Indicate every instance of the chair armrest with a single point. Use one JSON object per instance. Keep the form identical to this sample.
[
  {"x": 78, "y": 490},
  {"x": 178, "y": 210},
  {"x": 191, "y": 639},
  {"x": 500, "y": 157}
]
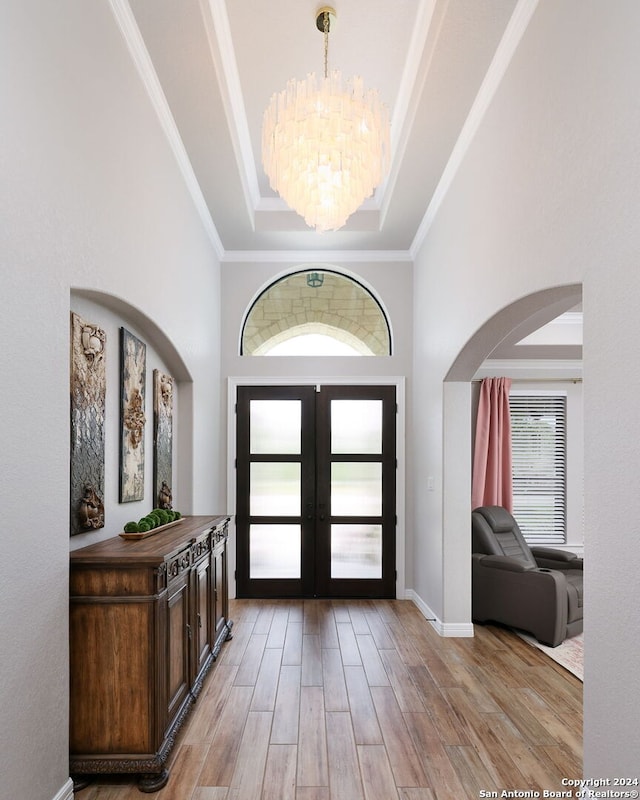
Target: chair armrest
[
  {"x": 551, "y": 558},
  {"x": 501, "y": 562}
]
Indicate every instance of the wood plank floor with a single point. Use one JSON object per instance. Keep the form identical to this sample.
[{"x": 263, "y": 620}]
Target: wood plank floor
[{"x": 362, "y": 700}]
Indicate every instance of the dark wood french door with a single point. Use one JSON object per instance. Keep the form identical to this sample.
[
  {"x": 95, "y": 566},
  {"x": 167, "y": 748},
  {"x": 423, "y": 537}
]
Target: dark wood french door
[{"x": 316, "y": 491}]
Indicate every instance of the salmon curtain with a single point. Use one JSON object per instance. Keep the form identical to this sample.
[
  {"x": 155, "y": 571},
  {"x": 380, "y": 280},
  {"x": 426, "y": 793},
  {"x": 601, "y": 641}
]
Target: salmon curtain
[{"x": 492, "y": 478}]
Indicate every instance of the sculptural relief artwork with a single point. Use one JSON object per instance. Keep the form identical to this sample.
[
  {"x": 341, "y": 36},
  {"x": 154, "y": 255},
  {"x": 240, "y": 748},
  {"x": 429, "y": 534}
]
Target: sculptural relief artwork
[
  {"x": 133, "y": 364},
  {"x": 88, "y": 393},
  {"x": 162, "y": 438}
]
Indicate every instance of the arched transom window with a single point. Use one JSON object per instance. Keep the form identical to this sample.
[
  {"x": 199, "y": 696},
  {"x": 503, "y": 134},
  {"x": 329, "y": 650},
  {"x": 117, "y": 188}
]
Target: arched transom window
[{"x": 316, "y": 312}]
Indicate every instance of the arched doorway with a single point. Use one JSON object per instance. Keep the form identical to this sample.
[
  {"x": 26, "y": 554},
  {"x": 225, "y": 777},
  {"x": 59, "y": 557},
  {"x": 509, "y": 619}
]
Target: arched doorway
[{"x": 525, "y": 315}]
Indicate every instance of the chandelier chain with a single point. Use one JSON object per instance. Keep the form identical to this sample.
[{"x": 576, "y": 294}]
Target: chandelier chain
[{"x": 326, "y": 44}]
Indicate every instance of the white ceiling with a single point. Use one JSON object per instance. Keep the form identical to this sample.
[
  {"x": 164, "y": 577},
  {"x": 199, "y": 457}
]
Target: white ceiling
[{"x": 211, "y": 67}]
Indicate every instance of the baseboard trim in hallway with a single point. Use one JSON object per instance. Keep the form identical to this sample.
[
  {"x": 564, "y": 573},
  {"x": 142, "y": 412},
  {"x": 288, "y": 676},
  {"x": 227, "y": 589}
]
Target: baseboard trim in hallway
[
  {"x": 454, "y": 629},
  {"x": 66, "y": 792}
]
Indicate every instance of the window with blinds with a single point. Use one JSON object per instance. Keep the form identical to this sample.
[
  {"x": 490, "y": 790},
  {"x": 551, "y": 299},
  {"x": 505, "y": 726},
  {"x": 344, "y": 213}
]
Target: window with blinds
[{"x": 539, "y": 455}]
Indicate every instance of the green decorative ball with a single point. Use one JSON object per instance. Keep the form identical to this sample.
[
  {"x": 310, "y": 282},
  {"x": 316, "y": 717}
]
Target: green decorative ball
[{"x": 131, "y": 527}]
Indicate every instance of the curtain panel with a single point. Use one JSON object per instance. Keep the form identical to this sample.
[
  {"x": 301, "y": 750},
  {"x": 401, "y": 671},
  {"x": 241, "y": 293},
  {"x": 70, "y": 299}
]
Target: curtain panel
[{"x": 492, "y": 475}]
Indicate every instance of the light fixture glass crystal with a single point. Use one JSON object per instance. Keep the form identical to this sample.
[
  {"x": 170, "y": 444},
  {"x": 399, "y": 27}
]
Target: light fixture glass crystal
[{"x": 325, "y": 144}]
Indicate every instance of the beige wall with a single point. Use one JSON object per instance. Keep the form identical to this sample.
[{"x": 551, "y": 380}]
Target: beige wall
[
  {"x": 546, "y": 196},
  {"x": 91, "y": 198}
]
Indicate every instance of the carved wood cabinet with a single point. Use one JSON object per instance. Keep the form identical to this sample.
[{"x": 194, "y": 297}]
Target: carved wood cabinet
[{"x": 147, "y": 620}]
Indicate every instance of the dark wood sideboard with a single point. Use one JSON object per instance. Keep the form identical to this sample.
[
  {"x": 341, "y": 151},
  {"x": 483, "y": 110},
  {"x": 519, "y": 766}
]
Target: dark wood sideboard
[{"x": 147, "y": 620}]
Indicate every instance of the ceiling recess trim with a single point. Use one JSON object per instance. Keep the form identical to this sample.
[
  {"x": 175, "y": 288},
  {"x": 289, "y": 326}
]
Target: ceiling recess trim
[
  {"x": 142, "y": 61},
  {"x": 223, "y": 54},
  {"x": 406, "y": 107},
  {"x": 502, "y": 58}
]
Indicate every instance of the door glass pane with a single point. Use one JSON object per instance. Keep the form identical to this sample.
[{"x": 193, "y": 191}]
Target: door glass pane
[
  {"x": 274, "y": 489},
  {"x": 274, "y": 551},
  {"x": 356, "y": 426},
  {"x": 356, "y": 551},
  {"x": 274, "y": 426},
  {"x": 356, "y": 489}
]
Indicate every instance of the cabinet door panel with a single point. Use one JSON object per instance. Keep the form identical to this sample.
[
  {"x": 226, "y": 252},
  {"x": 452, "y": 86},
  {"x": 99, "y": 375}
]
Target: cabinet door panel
[
  {"x": 202, "y": 620},
  {"x": 178, "y": 644},
  {"x": 105, "y": 715},
  {"x": 219, "y": 577}
]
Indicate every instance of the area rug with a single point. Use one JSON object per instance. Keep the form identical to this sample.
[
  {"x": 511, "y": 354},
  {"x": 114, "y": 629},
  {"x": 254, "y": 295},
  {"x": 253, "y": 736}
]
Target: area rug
[{"x": 569, "y": 654}]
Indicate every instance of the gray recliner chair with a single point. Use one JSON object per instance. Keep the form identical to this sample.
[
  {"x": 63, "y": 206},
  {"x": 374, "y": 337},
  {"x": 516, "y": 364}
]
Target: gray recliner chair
[{"x": 535, "y": 589}]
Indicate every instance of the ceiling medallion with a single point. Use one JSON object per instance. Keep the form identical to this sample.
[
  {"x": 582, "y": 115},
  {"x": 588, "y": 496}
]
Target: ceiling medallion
[{"x": 325, "y": 145}]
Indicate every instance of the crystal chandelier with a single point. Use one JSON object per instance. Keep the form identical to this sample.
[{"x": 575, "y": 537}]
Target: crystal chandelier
[{"x": 325, "y": 145}]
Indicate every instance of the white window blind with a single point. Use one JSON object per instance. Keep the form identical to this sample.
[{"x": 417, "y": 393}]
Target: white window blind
[{"x": 538, "y": 450}]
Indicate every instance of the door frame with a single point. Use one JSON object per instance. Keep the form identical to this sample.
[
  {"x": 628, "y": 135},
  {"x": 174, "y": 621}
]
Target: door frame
[{"x": 399, "y": 382}]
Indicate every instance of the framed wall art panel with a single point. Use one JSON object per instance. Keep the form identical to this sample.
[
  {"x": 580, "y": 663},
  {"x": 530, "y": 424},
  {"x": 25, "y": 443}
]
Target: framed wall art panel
[
  {"x": 133, "y": 364},
  {"x": 162, "y": 438},
  {"x": 88, "y": 394}
]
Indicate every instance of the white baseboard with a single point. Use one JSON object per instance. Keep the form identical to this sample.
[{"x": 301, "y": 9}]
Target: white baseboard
[
  {"x": 445, "y": 629},
  {"x": 66, "y": 793}
]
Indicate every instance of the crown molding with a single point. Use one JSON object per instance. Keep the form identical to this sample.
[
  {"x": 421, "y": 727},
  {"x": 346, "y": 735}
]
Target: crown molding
[
  {"x": 502, "y": 58},
  {"x": 315, "y": 256},
  {"x": 406, "y": 106},
  {"x": 142, "y": 61},
  {"x": 223, "y": 54}
]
